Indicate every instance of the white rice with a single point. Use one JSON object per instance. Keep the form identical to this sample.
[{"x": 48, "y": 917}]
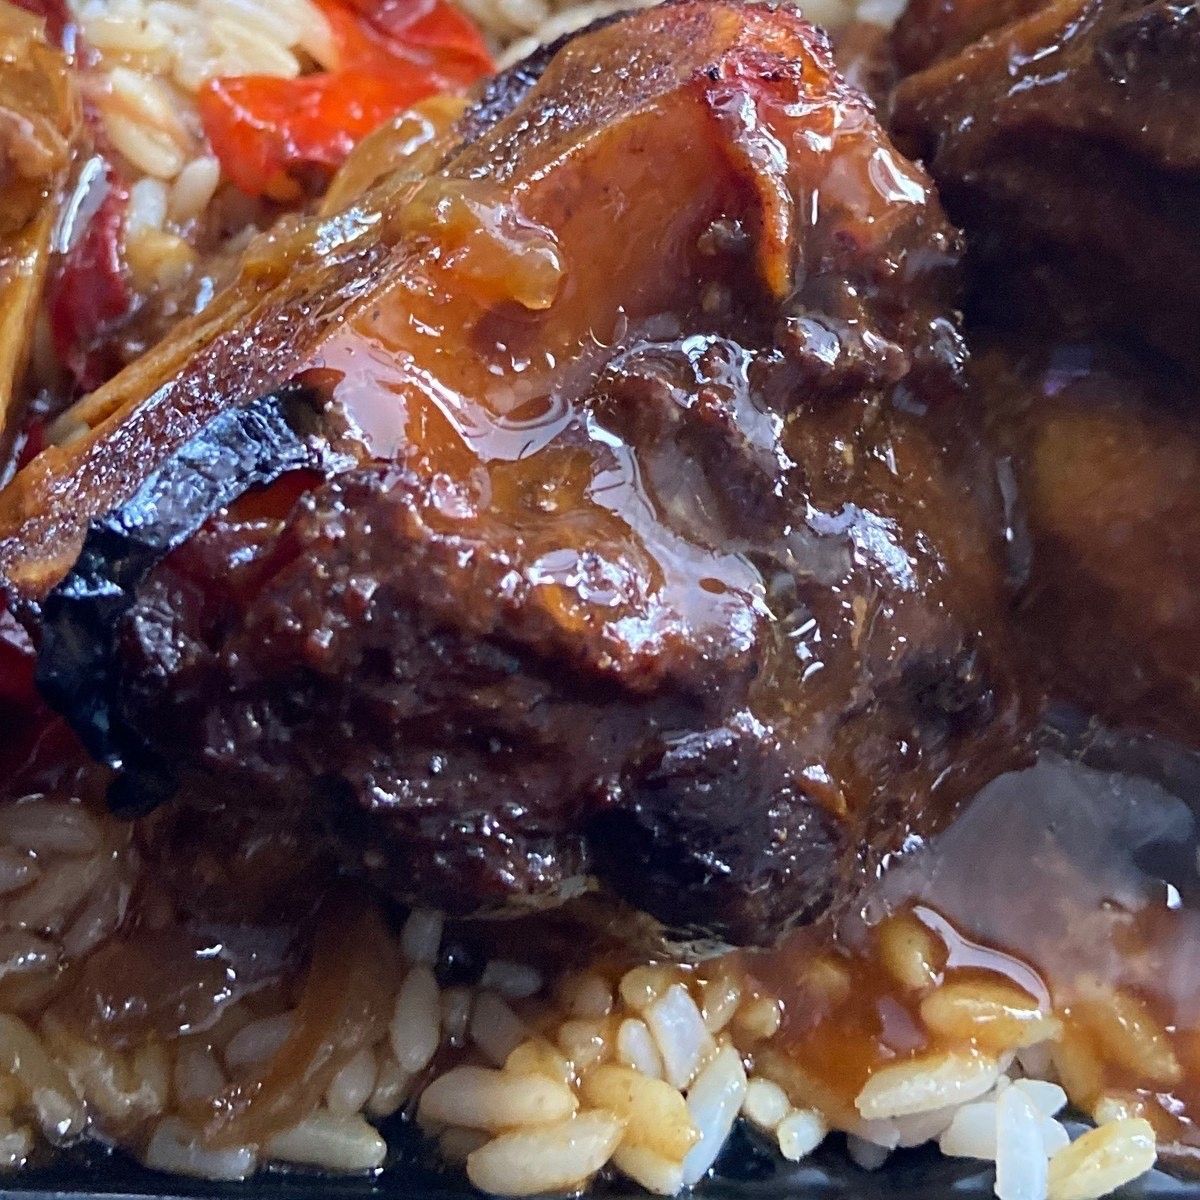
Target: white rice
[
  {"x": 492, "y": 1100},
  {"x": 800, "y": 1133},
  {"x": 557, "y": 1157},
  {"x": 1102, "y": 1160},
  {"x": 258, "y": 1041},
  {"x": 555, "y": 1084},
  {"x": 421, "y": 936},
  {"x": 336, "y": 1141},
  {"x": 680, "y": 1034},
  {"x": 926, "y": 1084},
  {"x": 415, "y": 1030},
  {"x": 1021, "y": 1158},
  {"x": 176, "y": 1149},
  {"x": 636, "y": 1048},
  {"x": 714, "y": 1101},
  {"x": 495, "y": 1028},
  {"x": 532, "y": 1084},
  {"x": 513, "y": 981},
  {"x": 766, "y": 1104},
  {"x": 354, "y": 1084}
]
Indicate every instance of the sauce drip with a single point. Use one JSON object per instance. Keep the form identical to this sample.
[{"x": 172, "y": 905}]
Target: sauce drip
[{"x": 1073, "y": 887}]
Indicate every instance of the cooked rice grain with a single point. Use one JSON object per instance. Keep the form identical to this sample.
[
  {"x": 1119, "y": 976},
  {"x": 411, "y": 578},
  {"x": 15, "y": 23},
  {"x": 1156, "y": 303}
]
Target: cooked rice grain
[
  {"x": 46, "y": 1085},
  {"x": 766, "y": 1104},
  {"x": 197, "y": 1075},
  {"x": 1102, "y": 1160},
  {"x": 415, "y": 1030},
  {"x": 655, "y": 1114},
  {"x": 584, "y": 994},
  {"x": 866, "y": 1154},
  {"x": 800, "y": 1133},
  {"x": 421, "y": 937},
  {"x": 909, "y": 951},
  {"x": 925, "y": 1083},
  {"x": 513, "y": 981},
  {"x": 495, "y": 1028},
  {"x": 539, "y": 1057},
  {"x": 331, "y": 1140},
  {"x": 552, "y": 1158},
  {"x": 996, "y": 1016},
  {"x": 1126, "y": 1033},
  {"x": 16, "y": 1143},
  {"x": 680, "y": 1034},
  {"x": 258, "y": 1041},
  {"x": 713, "y": 1102},
  {"x": 175, "y": 1148},
  {"x": 654, "y": 1172},
  {"x": 1021, "y": 1171},
  {"x": 584, "y": 1042},
  {"x": 636, "y": 1048},
  {"x": 353, "y": 1085},
  {"x": 391, "y": 1089},
  {"x": 720, "y": 998},
  {"x": 193, "y": 189},
  {"x": 481, "y": 1098}
]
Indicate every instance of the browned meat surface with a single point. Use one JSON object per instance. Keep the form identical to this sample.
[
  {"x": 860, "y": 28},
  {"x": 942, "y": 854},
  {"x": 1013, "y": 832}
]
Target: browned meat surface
[
  {"x": 1067, "y": 143},
  {"x": 1107, "y": 458},
  {"x": 625, "y": 521},
  {"x": 930, "y": 30},
  {"x": 38, "y": 120}
]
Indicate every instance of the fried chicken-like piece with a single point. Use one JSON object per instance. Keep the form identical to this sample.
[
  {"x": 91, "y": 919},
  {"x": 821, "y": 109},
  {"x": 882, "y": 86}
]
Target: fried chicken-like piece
[
  {"x": 617, "y": 518},
  {"x": 1067, "y": 144}
]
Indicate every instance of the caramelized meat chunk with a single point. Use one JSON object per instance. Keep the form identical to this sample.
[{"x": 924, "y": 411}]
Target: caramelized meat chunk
[
  {"x": 1067, "y": 143},
  {"x": 624, "y": 528},
  {"x": 1107, "y": 458},
  {"x": 930, "y": 30},
  {"x": 39, "y": 115}
]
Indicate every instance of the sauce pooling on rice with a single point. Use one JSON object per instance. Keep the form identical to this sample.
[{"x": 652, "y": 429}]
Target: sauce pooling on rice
[{"x": 1038, "y": 925}]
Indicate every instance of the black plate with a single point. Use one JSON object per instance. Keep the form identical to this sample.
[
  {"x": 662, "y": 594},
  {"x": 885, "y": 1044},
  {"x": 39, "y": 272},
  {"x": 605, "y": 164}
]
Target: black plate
[{"x": 744, "y": 1172}]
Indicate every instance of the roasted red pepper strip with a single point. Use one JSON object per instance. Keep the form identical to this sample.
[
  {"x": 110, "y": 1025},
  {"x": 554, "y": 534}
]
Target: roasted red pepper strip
[
  {"x": 88, "y": 292},
  {"x": 273, "y": 136},
  {"x": 380, "y": 36}
]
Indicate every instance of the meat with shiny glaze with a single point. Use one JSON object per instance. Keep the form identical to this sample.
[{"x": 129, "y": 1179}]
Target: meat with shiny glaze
[
  {"x": 1067, "y": 144},
  {"x": 617, "y": 513},
  {"x": 1106, "y": 452}
]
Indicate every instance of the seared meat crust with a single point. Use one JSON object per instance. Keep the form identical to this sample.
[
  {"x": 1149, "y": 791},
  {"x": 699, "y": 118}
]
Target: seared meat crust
[
  {"x": 1106, "y": 452},
  {"x": 1067, "y": 144},
  {"x": 665, "y": 561}
]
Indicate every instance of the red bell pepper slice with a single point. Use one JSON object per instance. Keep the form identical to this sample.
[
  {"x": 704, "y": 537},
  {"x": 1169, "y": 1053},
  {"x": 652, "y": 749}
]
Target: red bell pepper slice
[
  {"x": 281, "y": 137},
  {"x": 88, "y": 292},
  {"x": 381, "y": 35}
]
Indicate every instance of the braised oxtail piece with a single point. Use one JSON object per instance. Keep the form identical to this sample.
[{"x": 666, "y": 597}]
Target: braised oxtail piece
[
  {"x": 648, "y": 550},
  {"x": 1106, "y": 457},
  {"x": 1067, "y": 143},
  {"x": 80, "y": 660}
]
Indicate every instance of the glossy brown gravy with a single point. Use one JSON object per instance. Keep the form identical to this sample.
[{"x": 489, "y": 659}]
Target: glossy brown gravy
[
  {"x": 1039, "y": 912},
  {"x": 1064, "y": 894},
  {"x": 1072, "y": 888}
]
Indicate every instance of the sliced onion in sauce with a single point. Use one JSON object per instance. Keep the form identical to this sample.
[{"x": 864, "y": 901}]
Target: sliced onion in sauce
[{"x": 345, "y": 1005}]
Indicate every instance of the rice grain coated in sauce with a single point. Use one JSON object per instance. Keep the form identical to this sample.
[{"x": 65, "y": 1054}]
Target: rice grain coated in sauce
[{"x": 203, "y": 988}]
